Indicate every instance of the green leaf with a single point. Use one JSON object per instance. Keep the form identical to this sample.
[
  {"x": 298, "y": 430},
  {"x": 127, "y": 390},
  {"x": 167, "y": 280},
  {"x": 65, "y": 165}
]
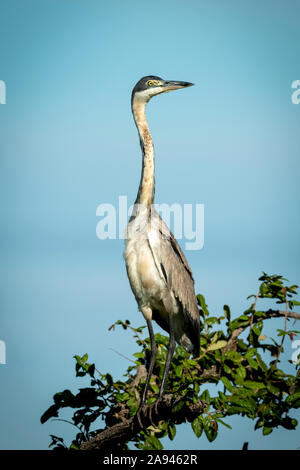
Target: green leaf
[
  {"x": 223, "y": 422},
  {"x": 74, "y": 446},
  {"x": 294, "y": 302},
  {"x": 278, "y": 373},
  {"x": 244, "y": 318},
  {"x": 240, "y": 375},
  {"x": 109, "y": 379},
  {"x": 289, "y": 423},
  {"x": 212, "y": 320},
  {"x": 252, "y": 385},
  {"x": 233, "y": 356},
  {"x": 257, "y": 328},
  {"x": 227, "y": 312},
  {"x": 91, "y": 370},
  {"x": 85, "y": 357},
  {"x": 52, "y": 412},
  {"x": 274, "y": 390},
  {"x": 153, "y": 443},
  {"x": 132, "y": 405},
  {"x": 171, "y": 431},
  {"x": 155, "y": 388},
  {"x": 292, "y": 398},
  {"x": 259, "y": 423},
  {"x": 197, "y": 426},
  {"x": 178, "y": 371},
  {"x": 210, "y": 429},
  {"x": 252, "y": 363},
  {"x": 65, "y": 398},
  {"x": 222, "y": 396},
  {"x": 139, "y": 355},
  {"x": 217, "y": 345},
  {"x": 250, "y": 353},
  {"x": 205, "y": 396},
  {"x": 238, "y": 400},
  {"x": 267, "y": 430},
  {"x": 178, "y": 406},
  {"x": 228, "y": 384},
  {"x": 261, "y": 363},
  {"x": 286, "y": 333},
  {"x": 202, "y": 303},
  {"x": 227, "y": 369}
]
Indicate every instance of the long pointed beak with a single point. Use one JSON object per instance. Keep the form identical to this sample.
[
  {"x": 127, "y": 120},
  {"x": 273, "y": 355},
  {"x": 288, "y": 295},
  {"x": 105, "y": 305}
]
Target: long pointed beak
[{"x": 175, "y": 85}]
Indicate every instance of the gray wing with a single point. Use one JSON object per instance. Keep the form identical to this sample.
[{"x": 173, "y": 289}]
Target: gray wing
[{"x": 177, "y": 273}]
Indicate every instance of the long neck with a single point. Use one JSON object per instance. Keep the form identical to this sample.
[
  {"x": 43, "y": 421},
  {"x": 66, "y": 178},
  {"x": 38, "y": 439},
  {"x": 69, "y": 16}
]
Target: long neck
[{"x": 145, "y": 196}]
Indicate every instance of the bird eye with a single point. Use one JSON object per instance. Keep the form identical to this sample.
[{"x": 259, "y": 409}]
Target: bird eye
[{"x": 153, "y": 82}]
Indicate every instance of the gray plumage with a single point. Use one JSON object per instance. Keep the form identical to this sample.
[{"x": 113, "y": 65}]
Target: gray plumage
[{"x": 179, "y": 279}]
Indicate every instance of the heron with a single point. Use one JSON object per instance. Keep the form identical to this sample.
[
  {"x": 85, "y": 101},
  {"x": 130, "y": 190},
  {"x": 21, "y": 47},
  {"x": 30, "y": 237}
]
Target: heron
[{"x": 159, "y": 274}]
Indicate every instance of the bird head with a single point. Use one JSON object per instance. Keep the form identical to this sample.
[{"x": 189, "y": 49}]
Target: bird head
[{"x": 150, "y": 86}]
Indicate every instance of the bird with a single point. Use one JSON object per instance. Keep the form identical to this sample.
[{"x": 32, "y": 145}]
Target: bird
[{"x": 158, "y": 272}]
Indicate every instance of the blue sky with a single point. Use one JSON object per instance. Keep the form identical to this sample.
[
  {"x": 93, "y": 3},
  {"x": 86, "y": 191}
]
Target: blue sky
[{"x": 68, "y": 143}]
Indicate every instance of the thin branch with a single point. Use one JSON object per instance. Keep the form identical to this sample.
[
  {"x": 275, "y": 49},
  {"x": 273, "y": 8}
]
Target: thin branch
[
  {"x": 274, "y": 365},
  {"x": 122, "y": 355},
  {"x": 270, "y": 314},
  {"x": 278, "y": 313},
  {"x": 66, "y": 421},
  {"x": 253, "y": 310},
  {"x": 232, "y": 342}
]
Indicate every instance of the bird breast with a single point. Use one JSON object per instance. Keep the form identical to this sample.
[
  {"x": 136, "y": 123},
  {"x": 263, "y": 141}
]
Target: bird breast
[{"x": 145, "y": 279}]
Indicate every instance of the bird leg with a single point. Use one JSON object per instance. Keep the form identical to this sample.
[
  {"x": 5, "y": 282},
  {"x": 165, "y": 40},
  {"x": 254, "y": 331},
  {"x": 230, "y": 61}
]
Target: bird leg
[
  {"x": 171, "y": 349},
  {"x": 150, "y": 370}
]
